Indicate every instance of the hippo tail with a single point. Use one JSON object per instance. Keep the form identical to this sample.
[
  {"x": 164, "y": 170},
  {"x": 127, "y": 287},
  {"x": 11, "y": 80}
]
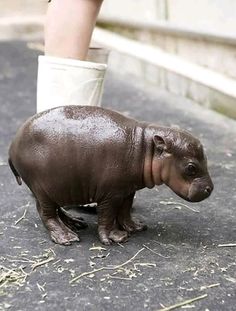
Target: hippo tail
[{"x": 18, "y": 178}]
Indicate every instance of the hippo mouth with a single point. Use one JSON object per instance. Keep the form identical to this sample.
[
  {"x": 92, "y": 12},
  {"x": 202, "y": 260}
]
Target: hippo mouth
[
  {"x": 197, "y": 194},
  {"x": 195, "y": 197},
  {"x": 183, "y": 197}
]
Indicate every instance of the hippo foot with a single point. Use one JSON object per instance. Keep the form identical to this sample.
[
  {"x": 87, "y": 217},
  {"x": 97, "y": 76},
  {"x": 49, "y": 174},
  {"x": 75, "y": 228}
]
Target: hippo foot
[
  {"x": 73, "y": 222},
  {"x": 64, "y": 238},
  {"x": 132, "y": 226},
  {"x": 61, "y": 234},
  {"x": 114, "y": 235},
  {"x": 104, "y": 237},
  {"x": 118, "y": 236}
]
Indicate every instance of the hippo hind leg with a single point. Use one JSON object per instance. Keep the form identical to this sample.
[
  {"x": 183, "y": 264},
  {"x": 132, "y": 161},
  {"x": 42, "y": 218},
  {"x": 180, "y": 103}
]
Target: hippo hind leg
[
  {"x": 75, "y": 223},
  {"x": 58, "y": 231}
]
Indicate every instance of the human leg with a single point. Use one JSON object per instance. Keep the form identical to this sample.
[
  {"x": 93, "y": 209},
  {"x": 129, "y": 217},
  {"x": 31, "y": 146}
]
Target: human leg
[
  {"x": 69, "y": 26},
  {"x": 64, "y": 77}
]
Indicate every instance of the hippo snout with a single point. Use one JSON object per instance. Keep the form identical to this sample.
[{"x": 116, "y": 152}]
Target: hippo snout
[{"x": 200, "y": 189}]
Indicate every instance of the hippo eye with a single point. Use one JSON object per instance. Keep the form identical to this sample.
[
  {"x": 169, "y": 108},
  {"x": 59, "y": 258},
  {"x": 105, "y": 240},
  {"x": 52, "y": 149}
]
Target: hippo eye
[{"x": 191, "y": 169}]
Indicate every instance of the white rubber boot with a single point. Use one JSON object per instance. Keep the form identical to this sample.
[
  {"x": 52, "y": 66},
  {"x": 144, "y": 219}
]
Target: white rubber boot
[{"x": 64, "y": 81}]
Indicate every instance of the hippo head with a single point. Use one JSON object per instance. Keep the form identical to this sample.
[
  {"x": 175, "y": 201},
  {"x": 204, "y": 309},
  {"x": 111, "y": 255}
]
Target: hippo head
[{"x": 182, "y": 164}]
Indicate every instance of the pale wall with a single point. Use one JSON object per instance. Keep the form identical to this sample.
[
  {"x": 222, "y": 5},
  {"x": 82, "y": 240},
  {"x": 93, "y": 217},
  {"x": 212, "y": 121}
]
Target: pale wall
[
  {"x": 214, "y": 15},
  {"x": 22, "y": 7},
  {"x": 134, "y": 9}
]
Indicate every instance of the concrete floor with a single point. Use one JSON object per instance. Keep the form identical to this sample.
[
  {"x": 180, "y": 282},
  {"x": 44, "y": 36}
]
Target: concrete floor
[{"x": 178, "y": 258}]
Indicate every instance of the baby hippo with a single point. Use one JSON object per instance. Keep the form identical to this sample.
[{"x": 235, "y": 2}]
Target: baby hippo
[{"x": 75, "y": 155}]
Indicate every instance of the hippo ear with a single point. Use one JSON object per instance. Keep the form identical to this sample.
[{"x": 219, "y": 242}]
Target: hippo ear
[{"x": 160, "y": 144}]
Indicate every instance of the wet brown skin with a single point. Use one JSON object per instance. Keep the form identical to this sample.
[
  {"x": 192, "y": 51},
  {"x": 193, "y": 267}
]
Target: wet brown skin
[{"x": 77, "y": 155}]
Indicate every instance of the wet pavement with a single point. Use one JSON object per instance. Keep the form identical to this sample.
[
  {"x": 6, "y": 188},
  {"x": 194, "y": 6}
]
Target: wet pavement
[{"x": 188, "y": 251}]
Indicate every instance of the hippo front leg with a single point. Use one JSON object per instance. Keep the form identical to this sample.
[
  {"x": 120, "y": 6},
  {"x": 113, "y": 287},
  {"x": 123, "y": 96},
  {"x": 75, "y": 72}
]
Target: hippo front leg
[
  {"x": 124, "y": 218},
  {"x": 108, "y": 230}
]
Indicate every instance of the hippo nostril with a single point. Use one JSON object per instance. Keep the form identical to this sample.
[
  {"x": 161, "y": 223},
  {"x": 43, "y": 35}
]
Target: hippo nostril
[{"x": 208, "y": 190}]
